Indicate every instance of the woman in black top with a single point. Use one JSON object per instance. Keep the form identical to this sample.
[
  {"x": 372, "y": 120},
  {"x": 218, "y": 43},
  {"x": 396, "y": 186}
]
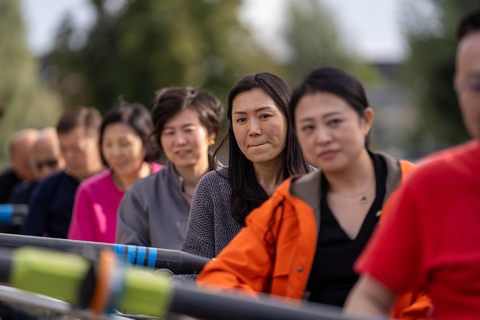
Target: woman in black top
[{"x": 274, "y": 252}]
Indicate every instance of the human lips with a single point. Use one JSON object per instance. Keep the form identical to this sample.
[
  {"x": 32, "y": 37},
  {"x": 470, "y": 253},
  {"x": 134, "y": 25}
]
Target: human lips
[
  {"x": 257, "y": 145},
  {"x": 327, "y": 154},
  {"x": 182, "y": 153}
]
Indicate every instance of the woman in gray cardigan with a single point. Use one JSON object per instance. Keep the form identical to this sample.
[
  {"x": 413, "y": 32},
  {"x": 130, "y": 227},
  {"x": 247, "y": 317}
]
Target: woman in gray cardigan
[
  {"x": 263, "y": 152},
  {"x": 154, "y": 211}
]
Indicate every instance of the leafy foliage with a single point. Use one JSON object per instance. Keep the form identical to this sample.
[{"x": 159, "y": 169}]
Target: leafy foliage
[
  {"x": 27, "y": 101},
  {"x": 312, "y": 36},
  {"x": 143, "y": 46},
  {"x": 430, "y": 68}
]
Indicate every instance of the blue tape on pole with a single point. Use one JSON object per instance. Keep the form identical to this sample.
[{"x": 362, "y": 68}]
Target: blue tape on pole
[
  {"x": 141, "y": 256},
  {"x": 118, "y": 249},
  {"x": 6, "y": 211},
  {"x": 131, "y": 254},
  {"x": 152, "y": 257}
]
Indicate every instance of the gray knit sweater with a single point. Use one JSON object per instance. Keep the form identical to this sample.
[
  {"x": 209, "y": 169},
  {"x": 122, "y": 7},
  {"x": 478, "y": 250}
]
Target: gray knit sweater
[{"x": 210, "y": 224}]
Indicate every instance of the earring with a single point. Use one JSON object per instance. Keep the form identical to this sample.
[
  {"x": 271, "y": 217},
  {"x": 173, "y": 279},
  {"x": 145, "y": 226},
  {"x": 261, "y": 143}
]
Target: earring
[{"x": 211, "y": 143}]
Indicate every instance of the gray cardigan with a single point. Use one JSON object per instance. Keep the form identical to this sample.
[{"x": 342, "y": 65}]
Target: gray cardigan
[
  {"x": 210, "y": 226},
  {"x": 154, "y": 211}
]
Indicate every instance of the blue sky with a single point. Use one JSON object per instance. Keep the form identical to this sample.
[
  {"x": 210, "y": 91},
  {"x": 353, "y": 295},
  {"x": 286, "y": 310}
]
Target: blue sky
[{"x": 370, "y": 27}]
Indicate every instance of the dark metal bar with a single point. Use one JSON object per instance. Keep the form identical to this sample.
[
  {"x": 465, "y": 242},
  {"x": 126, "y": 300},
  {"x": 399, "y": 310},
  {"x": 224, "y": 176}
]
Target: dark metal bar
[
  {"x": 176, "y": 261},
  {"x": 205, "y": 305}
]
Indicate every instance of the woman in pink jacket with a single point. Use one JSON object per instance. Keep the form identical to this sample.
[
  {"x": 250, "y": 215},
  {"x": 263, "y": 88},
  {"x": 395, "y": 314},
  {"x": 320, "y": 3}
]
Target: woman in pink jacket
[{"x": 127, "y": 151}]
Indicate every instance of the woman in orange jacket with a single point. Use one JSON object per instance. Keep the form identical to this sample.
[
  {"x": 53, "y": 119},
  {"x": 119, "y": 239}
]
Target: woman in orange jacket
[{"x": 302, "y": 242}]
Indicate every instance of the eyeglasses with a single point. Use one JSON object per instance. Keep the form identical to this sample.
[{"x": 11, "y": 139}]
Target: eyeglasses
[{"x": 52, "y": 163}]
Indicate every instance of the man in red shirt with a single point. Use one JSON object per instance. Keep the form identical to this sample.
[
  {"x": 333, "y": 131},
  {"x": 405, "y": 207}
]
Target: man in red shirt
[{"x": 430, "y": 238}]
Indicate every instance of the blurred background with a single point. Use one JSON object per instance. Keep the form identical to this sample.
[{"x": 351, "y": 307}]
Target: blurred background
[{"x": 58, "y": 54}]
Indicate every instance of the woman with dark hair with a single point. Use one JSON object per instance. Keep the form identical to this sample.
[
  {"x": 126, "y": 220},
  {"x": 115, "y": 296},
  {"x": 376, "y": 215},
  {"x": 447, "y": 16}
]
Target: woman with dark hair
[
  {"x": 263, "y": 152},
  {"x": 154, "y": 211},
  {"x": 126, "y": 149},
  {"x": 303, "y": 241}
]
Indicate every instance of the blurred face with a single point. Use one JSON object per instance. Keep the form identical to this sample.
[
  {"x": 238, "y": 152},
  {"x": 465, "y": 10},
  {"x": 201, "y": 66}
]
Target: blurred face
[
  {"x": 185, "y": 140},
  {"x": 80, "y": 151},
  {"x": 467, "y": 82},
  {"x": 20, "y": 159},
  {"x": 46, "y": 158},
  {"x": 260, "y": 128},
  {"x": 122, "y": 149},
  {"x": 330, "y": 132}
]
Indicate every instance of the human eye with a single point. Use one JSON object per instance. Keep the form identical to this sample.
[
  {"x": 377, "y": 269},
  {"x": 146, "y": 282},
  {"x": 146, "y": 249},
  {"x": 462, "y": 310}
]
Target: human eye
[
  {"x": 334, "y": 122},
  {"x": 124, "y": 143},
  {"x": 167, "y": 133},
  {"x": 240, "y": 120},
  {"x": 265, "y": 116},
  {"x": 307, "y": 128},
  {"x": 190, "y": 128}
]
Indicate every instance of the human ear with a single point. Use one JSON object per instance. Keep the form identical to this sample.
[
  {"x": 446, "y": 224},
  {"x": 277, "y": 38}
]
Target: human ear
[{"x": 367, "y": 120}]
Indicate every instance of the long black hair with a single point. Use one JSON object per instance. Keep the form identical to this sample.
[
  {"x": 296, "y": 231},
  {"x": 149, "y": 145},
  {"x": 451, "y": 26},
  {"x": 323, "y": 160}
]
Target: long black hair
[
  {"x": 247, "y": 194},
  {"x": 334, "y": 81}
]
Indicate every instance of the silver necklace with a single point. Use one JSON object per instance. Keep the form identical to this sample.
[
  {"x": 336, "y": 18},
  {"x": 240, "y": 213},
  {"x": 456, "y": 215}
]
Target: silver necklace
[{"x": 364, "y": 198}]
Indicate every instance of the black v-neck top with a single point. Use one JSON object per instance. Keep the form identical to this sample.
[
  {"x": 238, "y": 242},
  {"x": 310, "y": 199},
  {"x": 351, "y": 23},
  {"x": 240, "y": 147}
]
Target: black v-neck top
[{"x": 332, "y": 276}]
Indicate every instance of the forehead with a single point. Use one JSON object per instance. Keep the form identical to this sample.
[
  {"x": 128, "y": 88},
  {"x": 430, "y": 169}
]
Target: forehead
[
  {"x": 251, "y": 100},
  {"x": 468, "y": 55},
  {"x": 320, "y": 104},
  {"x": 184, "y": 117},
  {"x": 74, "y": 136},
  {"x": 118, "y": 129}
]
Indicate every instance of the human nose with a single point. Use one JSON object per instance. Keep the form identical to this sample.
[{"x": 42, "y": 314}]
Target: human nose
[
  {"x": 254, "y": 128},
  {"x": 180, "y": 138},
  {"x": 116, "y": 151},
  {"x": 323, "y": 136}
]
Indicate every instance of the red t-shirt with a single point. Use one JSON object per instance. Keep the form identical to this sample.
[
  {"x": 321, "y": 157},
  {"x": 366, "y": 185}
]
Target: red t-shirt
[{"x": 431, "y": 236}]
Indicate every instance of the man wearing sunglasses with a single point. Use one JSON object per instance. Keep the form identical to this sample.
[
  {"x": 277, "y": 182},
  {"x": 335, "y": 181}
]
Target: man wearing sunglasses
[
  {"x": 51, "y": 202},
  {"x": 45, "y": 159},
  {"x": 18, "y": 156}
]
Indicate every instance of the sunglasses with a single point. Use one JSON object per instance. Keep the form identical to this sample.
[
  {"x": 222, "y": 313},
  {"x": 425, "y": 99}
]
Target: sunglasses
[{"x": 53, "y": 163}]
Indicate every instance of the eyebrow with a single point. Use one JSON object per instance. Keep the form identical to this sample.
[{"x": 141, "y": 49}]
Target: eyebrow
[
  {"x": 256, "y": 110},
  {"x": 185, "y": 125},
  {"x": 323, "y": 117}
]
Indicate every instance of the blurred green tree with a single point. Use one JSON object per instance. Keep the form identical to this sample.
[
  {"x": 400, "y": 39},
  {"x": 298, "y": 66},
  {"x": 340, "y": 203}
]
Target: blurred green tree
[
  {"x": 430, "y": 27},
  {"x": 138, "y": 47},
  {"x": 313, "y": 40},
  {"x": 25, "y": 98}
]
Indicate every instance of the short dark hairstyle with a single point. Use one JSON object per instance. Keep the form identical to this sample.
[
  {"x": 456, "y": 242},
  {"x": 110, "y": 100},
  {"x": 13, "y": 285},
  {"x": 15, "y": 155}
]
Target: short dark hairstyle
[
  {"x": 247, "y": 194},
  {"x": 470, "y": 23},
  {"x": 88, "y": 117},
  {"x": 172, "y": 100},
  {"x": 138, "y": 118},
  {"x": 334, "y": 81}
]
